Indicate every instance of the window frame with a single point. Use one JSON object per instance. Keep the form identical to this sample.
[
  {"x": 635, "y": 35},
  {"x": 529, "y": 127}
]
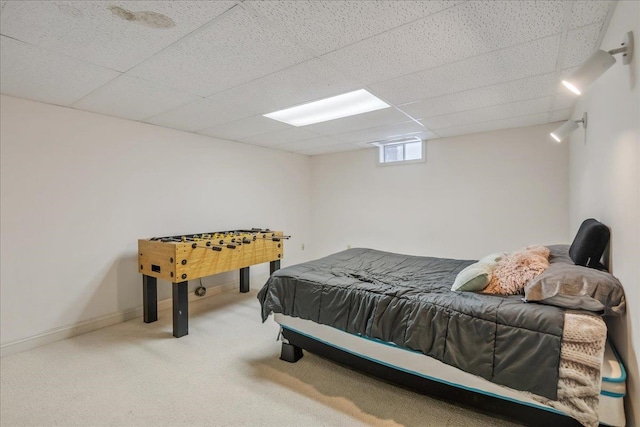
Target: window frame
[{"x": 381, "y": 151}]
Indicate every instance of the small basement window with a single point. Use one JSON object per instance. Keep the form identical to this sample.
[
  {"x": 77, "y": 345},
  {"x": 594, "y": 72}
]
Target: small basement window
[{"x": 401, "y": 151}]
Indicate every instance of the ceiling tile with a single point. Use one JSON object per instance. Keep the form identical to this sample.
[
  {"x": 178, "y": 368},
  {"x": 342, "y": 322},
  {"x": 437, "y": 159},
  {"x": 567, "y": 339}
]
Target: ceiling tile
[
  {"x": 198, "y": 115},
  {"x": 564, "y": 100},
  {"x": 561, "y": 115},
  {"x": 302, "y": 83},
  {"x": 460, "y": 32},
  {"x": 308, "y": 144},
  {"x": 563, "y": 75},
  {"x": 244, "y": 128},
  {"x": 330, "y": 149},
  {"x": 517, "y": 62},
  {"x": 585, "y": 12},
  {"x": 380, "y": 133},
  {"x": 516, "y": 90},
  {"x": 581, "y": 43},
  {"x": 425, "y": 134},
  {"x": 512, "y": 122},
  {"x": 133, "y": 98},
  {"x": 31, "y": 72},
  {"x": 325, "y": 26},
  {"x": 90, "y": 31},
  {"x": 236, "y": 49},
  {"x": 478, "y": 115},
  {"x": 359, "y": 121},
  {"x": 295, "y": 134}
]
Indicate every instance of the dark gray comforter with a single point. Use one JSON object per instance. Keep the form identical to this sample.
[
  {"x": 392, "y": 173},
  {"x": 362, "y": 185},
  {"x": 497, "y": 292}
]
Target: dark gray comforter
[{"x": 407, "y": 300}]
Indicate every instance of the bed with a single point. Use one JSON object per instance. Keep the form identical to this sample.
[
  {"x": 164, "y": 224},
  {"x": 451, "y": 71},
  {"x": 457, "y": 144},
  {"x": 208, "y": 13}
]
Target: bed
[{"x": 395, "y": 316}]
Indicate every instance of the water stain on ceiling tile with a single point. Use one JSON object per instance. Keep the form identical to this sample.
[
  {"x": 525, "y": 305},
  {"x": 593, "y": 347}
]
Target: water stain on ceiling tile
[{"x": 146, "y": 18}]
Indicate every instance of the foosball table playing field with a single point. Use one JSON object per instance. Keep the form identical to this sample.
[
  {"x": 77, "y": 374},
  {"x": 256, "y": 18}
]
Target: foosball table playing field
[{"x": 179, "y": 259}]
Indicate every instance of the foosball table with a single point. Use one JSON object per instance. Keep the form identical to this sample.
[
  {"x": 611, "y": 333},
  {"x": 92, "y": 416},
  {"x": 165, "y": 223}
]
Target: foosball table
[{"x": 179, "y": 259}]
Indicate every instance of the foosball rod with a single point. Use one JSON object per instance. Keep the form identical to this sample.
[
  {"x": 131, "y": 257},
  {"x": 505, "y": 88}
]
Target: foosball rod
[
  {"x": 274, "y": 238},
  {"x": 188, "y": 237},
  {"x": 215, "y": 247}
]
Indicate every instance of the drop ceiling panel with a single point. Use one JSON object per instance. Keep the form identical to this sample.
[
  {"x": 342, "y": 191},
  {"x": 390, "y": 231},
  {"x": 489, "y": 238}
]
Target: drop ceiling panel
[
  {"x": 561, "y": 115},
  {"x": 325, "y": 26},
  {"x": 31, "y": 72},
  {"x": 381, "y": 132},
  {"x": 564, "y": 100},
  {"x": 233, "y": 50},
  {"x": 581, "y": 43},
  {"x": 517, "y": 62},
  {"x": 478, "y": 115},
  {"x": 460, "y": 32},
  {"x": 424, "y": 134},
  {"x": 308, "y": 144},
  {"x": 329, "y": 149},
  {"x": 585, "y": 12},
  {"x": 360, "y": 121},
  {"x": 302, "y": 83},
  {"x": 516, "y": 90},
  {"x": 449, "y": 64},
  {"x": 513, "y": 122},
  {"x": 198, "y": 115},
  {"x": 133, "y": 98},
  {"x": 90, "y": 31},
  {"x": 294, "y": 134},
  {"x": 251, "y": 126}
]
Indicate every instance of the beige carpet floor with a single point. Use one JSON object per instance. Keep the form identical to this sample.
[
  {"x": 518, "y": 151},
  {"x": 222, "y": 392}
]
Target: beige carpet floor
[{"x": 226, "y": 372}]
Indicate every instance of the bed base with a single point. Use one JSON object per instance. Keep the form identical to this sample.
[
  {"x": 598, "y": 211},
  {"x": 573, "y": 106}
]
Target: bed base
[
  {"x": 491, "y": 405},
  {"x": 290, "y": 353}
]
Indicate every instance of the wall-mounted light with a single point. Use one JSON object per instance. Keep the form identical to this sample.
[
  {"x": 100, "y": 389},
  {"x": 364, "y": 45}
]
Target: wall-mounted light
[
  {"x": 569, "y": 126},
  {"x": 597, "y": 64}
]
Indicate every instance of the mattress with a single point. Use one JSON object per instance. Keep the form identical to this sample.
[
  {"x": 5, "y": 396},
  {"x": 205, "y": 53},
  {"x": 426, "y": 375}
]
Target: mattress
[
  {"x": 610, "y": 407},
  {"x": 613, "y": 390},
  {"x": 407, "y": 300}
]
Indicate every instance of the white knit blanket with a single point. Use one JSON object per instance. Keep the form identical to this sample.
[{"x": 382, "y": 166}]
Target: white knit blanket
[{"x": 581, "y": 354}]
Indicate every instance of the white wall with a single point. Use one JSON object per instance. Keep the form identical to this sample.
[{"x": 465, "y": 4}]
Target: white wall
[
  {"x": 79, "y": 189},
  {"x": 476, "y": 194},
  {"x": 605, "y": 181}
]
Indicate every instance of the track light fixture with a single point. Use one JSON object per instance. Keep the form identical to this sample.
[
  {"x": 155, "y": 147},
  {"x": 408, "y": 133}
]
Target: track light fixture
[
  {"x": 597, "y": 64},
  {"x": 569, "y": 126}
]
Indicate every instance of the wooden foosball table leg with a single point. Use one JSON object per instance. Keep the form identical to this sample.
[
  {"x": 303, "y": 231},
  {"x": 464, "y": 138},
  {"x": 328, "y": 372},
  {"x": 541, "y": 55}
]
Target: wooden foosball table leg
[
  {"x": 180, "y": 309},
  {"x": 149, "y": 299}
]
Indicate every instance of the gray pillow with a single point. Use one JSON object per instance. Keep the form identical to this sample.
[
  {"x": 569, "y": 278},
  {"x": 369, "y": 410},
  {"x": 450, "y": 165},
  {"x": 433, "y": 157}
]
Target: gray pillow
[
  {"x": 559, "y": 253},
  {"x": 576, "y": 287}
]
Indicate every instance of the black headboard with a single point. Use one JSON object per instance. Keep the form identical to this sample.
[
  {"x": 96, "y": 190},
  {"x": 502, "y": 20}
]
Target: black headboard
[{"x": 590, "y": 243}]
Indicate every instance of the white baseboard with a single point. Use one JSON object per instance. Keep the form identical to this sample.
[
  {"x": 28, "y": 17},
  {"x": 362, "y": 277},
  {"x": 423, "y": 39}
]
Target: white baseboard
[{"x": 83, "y": 327}]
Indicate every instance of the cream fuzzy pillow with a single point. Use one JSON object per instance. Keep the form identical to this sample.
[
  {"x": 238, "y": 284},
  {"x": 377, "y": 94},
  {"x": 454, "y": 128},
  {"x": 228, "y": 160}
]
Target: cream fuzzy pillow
[{"x": 515, "y": 270}]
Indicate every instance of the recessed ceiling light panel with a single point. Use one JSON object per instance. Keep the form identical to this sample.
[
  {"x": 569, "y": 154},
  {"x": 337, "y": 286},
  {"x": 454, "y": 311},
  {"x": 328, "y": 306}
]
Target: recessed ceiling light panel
[{"x": 345, "y": 105}]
